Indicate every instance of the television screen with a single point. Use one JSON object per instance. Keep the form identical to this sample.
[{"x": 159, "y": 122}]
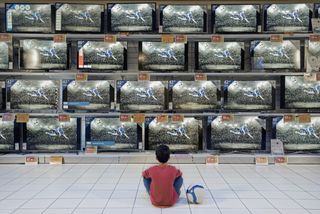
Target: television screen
[
  {"x": 194, "y": 95},
  {"x": 179, "y": 136},
  {"x": 112, "y": 134},
  {"x": 219, "y": 56},
  {"x": 236, "y": 18},
  {"x": 79, "y": 17},
  {"x": 287, "y": 17},
  {"x": 48, "y": 133},
  {"x": 87, "y": 95},
  {"x": 276, "y": 55},
  {"x": 29, "y": 18},
  {"x": 102, "y": 55},
  {"x": 236, "y": 133},
  {"x": 43, "y": 54},
  {"x": 7, "y": 135},
  {"x": 312, "y": 56},
  {"x": 249, "y": 95},
  {"x": 141, "y": 95},
  {"x": 6, "y": 57},
  {"x": 32, "y": 94},
  {"x": 158, "y": 56},
  {"x": 132, "y": 17},
  {"x": 183, "y": 18},
  {"x": 298, "y": 136},
  {"x": 299, "y": 93}
]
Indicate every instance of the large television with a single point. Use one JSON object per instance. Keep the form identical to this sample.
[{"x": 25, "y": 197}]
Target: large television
[
  {"x": 249, "y": 95},
  {"x": 159, "y": 56},
  {"x": 79, "y": 17},
  {"x": 32, "y": 94},
  {"x": 141, "y": 95},
  {"x": 43, "y": 55},
  {"x": 267, "y": 55},
  {"x": 312, "y": 56},
  {"x": 183, "y": 18},
  {"x": 181, "y": 136},
  {"x": 95, "y": 55},
  {"x": 235, "y": 132},
  {"x": 236, "y": 18},
  {"x": 31, "y": 18},
  {"x": 49, "y": 134},
  {"x": 109, "y": 133},
  {"x": 226, "y": 56},
  {"x": 92, "y": 95},
  {"x": 287, "y": 17},
  {"x": 194, "y": 95},
  {"x": 298, "y": 93},
  {"x": 132, "y": 17},
  {"x": 6, "y": 55},
  {"x": 8, "y": 136},
  {"x": 297, "y": 136}
]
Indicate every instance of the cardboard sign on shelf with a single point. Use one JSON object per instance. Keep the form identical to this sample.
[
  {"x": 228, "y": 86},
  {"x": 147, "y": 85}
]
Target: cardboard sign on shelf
[
  {"x": 167, "y": 38},
  {"x": 8, "y": 117},
  {"x": 217, "y": 39},
  {"x": 22, "y": 118},
  {"x": 56, "y": 160},
  {"x": 181, "y": 39},
  {"x": 287, "y": 118},
  {"x": 262, "y": 160},
  {"x": 31, "y": 160},
  {"x": 64, "y": 118},
  {"x": 125, "y": 118},
  {"x": 277, "y": 147},
  {"x": 81, "y": 77},
  {"x": 110, "y": 38},
  {"x": 304, "y": 118},
  {"x": 59, "y": 38},
  {"x": 162, "y": 118},
  {"x": 91, "y": 150},
  {"x": 177, "y": 118},
  {"x": 276, "y": 38},
  {"x": 314, "y": 38},
  {"x": 139, "y": 118},
  {"x": 200, "y": 77},
  {"x": 281, "y": 160},
  {"x": 144, "y": 77},
  {"x": 5, "y": 37},
  {"x": 212, "y": 160}
]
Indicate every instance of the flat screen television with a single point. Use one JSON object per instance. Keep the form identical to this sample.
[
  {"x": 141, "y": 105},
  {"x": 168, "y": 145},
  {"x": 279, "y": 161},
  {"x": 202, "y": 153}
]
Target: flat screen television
[
  {"x": 95, "y": 55},
  {"x": 194, "y": 95},
  {"x": 297, "y": 136},
  {"x": 312, "y": 56},
  {"x": 226, "y": 56},
  {"x": 8, "y": 137},
  {"x": 158, "y": 56},
  {"x": 132, "y": 17},
  {"x": 32, "y": 94},
  {"x": 109, "y": 133},
  {"x": 141, "y": 95},
  {"x": 6, "y": 55},
  {"x": 249, "y": 95},
  {"x": 31, "y": 18},
  {"x": 92, "y": 95},
  {"x": 43, "y": 55},
  {"x": 49, "y": 134},
  {"x": 183, "y": 18},
  {"x": 236, "y": 132},
  {"x": 287, "y": 17},
  {"x": 298, "y": 93},
  {"x": 179, "y": 136},
  {"x": 79, "y": 17},
  {"x": 236, "y": 18},
  {"x": 267, "y": 55}
]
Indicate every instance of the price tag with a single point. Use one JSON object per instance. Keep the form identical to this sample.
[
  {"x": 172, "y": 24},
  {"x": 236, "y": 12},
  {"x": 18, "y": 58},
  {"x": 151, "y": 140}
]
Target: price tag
[
  {"x": 56, "y": 160},
  {"x": 91, "y": 150},
  {"x": 124, "y": 34},
  {"x": 200, "y": 77},
  {"x": 22, "y": 118},
  {"x": 212, "y": 160},
  {"x": 5, "y": 37},
  {"x": 125, "y": 118},
  {"x": 289, "y": 118},
  {"x": 64, "y": 118},
  {"x": 59, "y": 38},
  {"x": 262, "y": 160},
  {"x": 277, "y": 147},
  {"x": 143, "y": 77},
  {"x": 139, "y": 118},
  {"x": 110, "y": 38},
  {"x": 167, "y": 38},
  {"x": 314, "y": 38},
  {"x": 281, "y": 160},
  {"x": 81, "y": 77},
  {"x": 181, "y": 39},
  {"x": 162, "y": 118},
  {"x": 31, "y": 160},
  {"x": 304, "y": 118},
  {"x": 8, "y": 117},
  {"x": 312, "y": 77},
  {"x": 227, "y": 117},
  {"x": 217, "y": 39},
  {"x": 276, "y": 38}
]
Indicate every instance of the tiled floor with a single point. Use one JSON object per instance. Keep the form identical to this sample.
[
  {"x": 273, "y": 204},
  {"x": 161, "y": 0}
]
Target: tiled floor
[{"x": 118, "y": 189}]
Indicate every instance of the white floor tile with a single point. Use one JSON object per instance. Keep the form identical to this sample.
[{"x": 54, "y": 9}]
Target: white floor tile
[
  {"x": 65, "y": 203},
  {"x": 99, "y": 194},
  {"x": 11, "y": 204},
  {"x": 293, "y": 211},
  {"x": 124, "y": 194},
  {"x": 88, "y": 211},
  {"x": 121, "y": 203},
  {"x": 284, "y": 204},
  {"x": 93, "y": 203},
  {"x": 152, "y": 210},
  {"x": 309, "y": 204},
  {"x": 117, "y": 210},
  {"x": 257, "y": 204},
  {"x": 58, "y": 211},
  {"x": 201, "y": 210},
  {"x": 234, "y": 211},
  {"x": 248, "y": 194},
  {"x": 264, "y": 211},
  {"x": 224, "y": 194},
  {"x": 229, "y": 204},
  {"x": 38, "y": 203}
]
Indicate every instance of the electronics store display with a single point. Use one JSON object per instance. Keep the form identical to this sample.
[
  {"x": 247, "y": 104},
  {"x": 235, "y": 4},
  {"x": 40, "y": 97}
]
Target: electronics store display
[{"x": 129, "y": 76}]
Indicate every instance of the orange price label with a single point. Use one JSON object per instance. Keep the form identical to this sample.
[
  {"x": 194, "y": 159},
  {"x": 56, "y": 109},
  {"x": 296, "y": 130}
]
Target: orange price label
[
  {"x": 139, "y": 118},
  {"x": 227, "y": 117},
  {"x": 181, "y": 39},
  {"x": 177, "y": 118},
  {"x": 262, "y": 160},
  {"x": 304, "y": 118},
  {"x": 22, "y": 118},
  {"x": 200, "y": 77},
  {"x": 81, "y": 77},
  {"x": 167, "y": 38},
  {"x": 91, "y": 150},
  {"x": 314, "y": 38},
  {"x": 125, "y": 118},
  {"x": 5, "y": 37},
  {"x": 217, "y": 39},
  {"x": 276, "y": 38},
  {"x": 289, "y": 33},
  {"x": 31, "y": 160},
  {"x": 8, "y": 117},
  {"x": 59, "y": 38},
  {"x": 56, "y": 160},
  {"x": 64, "y": 118},
  {"x": 110, "y": 38},
  {"x": 143, "y": 77},
  {"x": 162, "y": 118},
  {"x": 288, "y": 118},
  {"x": 312, "y": 77},
  {"x": 212, "y": 159},
  {"x": 281, "y": 160}
]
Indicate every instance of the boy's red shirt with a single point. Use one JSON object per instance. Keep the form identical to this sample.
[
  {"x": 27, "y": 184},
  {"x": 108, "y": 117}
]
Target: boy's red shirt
[{"x": 162, "y": 192}]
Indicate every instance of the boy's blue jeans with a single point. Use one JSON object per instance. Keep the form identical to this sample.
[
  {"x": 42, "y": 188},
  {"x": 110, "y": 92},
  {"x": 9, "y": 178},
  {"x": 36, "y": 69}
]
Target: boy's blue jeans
[{"x": 177, "y": 184}]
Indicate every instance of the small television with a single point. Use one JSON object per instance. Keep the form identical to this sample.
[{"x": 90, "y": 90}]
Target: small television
[
  {"x": 8, "y": 136},
  {"x": 226, "y": 56},
  {"x": 312, "y": 56},
  {"x": 92, "y": 95},
  {"x": 31, "y": 18},
  {"x": 159, "y": 56},
  {"x": 183, "y": 18},
  {"x": 234, "y": 132},
  {"x": 236, "y": 18},
  {"x": 181, "y": 136},
  {"x": 287, "y": 17},
  {"x": 267, "y": 55},
  {"x": 49, "y": 134},
  {"x": 141, "y": 95},
  {"x": 109, "y": 133},
  {"x": 132, "y": 17},
  {"x": 43, "y": 55},
  {"x": 298, "y": 93},
  {"x": 32, "y": 94},
  {"x": 83, "y": 18},
  {"x": 6, "y": 55},
  {"x": 297, "y": 136},
  {"x": 95, "y": 55},
  {"x": 249, "y": 95},
  {"x": 194, "y": 95}
]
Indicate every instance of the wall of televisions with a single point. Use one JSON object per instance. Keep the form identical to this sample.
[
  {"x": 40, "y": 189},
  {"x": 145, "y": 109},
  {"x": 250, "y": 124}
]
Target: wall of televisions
[{"x": 258, "y": 77}]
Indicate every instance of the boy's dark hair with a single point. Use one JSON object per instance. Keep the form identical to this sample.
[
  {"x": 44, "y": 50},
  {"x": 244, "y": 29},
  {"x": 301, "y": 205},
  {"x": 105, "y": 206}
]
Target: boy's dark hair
[{"x": 162, "y": 153}]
